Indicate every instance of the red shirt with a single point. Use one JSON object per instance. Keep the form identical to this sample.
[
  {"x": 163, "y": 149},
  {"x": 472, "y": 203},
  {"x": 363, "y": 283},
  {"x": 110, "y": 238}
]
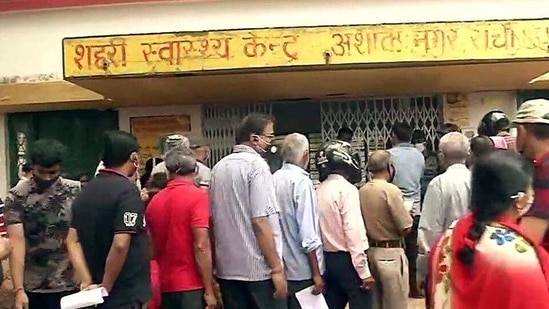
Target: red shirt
[
  {"x": 540, "y": 208},
  {"x": 171, "y": 217}
]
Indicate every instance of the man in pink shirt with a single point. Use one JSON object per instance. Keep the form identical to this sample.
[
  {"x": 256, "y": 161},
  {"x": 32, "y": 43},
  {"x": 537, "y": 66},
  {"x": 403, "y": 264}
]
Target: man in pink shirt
[{"x": 348, "y": 276}]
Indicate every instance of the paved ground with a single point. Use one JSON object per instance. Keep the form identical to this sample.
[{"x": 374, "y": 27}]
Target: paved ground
[{"x": 416, "y": 304}]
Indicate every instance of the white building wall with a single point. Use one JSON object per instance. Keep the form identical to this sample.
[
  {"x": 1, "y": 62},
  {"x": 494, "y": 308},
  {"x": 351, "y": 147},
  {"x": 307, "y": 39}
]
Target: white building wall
[{"x": 31, "y": 41}]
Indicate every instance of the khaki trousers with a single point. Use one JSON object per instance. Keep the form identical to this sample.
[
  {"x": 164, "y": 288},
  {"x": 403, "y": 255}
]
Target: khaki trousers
[{"x": 389, "y": 267}]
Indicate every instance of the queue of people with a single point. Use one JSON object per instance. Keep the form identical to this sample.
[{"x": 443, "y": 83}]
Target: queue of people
[{"x": 239, "y": 236}]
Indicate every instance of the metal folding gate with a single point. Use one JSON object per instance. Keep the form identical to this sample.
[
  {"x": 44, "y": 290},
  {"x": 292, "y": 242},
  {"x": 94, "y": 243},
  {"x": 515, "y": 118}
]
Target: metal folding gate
[
  {"x": 372, "y": 118},
  {"x": 219, "y": 123}
]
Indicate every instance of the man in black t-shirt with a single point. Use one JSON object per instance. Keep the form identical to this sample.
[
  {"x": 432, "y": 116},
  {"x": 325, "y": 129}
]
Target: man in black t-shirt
[{"x": 108, "y": 223}]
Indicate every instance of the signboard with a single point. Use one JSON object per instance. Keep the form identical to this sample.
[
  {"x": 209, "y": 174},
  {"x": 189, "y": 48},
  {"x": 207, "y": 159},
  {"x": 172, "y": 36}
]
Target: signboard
[
  {"x": 149, "y": 130},
  {"x": 172, "y": 53}
]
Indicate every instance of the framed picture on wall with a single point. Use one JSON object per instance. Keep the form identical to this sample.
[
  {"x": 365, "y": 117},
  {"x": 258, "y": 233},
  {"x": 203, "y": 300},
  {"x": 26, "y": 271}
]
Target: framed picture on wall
[{"x": 150, "y": 129}]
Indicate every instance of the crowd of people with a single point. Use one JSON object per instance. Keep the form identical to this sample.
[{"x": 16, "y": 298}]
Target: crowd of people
[{"x": 462, "y": 223}]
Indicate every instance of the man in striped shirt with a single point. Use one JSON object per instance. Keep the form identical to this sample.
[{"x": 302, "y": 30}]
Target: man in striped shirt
[{"x": 248, "y": 240}]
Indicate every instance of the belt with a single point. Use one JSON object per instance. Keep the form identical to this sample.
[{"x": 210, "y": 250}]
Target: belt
[{"x": 387, "y": 244}]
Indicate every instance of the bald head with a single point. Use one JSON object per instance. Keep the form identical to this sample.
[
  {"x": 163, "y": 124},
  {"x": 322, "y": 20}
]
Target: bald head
[
  {"x": 295, "y": 149},
  {"x": 378, "y": 161}
]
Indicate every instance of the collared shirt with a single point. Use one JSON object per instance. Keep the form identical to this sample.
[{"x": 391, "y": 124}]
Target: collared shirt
[
  {"x": 540, "y": 207},
  {"x": 45, "y": 216},
  {"x": 110, "y": 204},
  {"x": 204, "y": 175},
  {"x": 510, "y": 140},
  {"x": 202, "y": 179},
  {"x": 447, "y": 199},
  {"x": 297, "y": 200},
  {"x": 383, "y": 210},
  {"x": 341, "y": 223},
  {"x": 409, "y": 165},
  {"x": 171, "y": 216},
  {"x": 241, "y": 189}
]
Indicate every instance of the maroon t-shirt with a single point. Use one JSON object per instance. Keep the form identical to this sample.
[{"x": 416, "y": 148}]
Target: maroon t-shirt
[{"x": 540, "y": 208}]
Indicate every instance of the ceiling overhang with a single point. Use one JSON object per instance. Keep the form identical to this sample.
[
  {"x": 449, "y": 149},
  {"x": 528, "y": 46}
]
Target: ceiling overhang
[
  {"x": 273, "y": 86},
  {"x": 36, "y": 96}
]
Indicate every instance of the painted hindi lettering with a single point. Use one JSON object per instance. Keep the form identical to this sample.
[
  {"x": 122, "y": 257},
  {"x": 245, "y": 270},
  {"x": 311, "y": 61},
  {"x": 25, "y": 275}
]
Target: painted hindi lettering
[
  {"x": 256, "y": 47},
  {"x": 366, "y": 42},
  {"x": 435, "y": 42},
  {"x": 503, "y": 37},
  {"x": 174, "y": 51},
  {"x": 534, "y": 38},
  {"x": 101, "y": 56}
]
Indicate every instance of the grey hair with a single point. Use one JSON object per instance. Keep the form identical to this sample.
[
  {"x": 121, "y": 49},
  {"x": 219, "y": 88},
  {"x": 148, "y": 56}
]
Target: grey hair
[
  {"x": 455, "y": 146},
  {"x": 293, "y": 146},
  {"x": 174, "y": 141},
  {"x": 379, "y": 160},
  {"x": 179, "y": 162}
]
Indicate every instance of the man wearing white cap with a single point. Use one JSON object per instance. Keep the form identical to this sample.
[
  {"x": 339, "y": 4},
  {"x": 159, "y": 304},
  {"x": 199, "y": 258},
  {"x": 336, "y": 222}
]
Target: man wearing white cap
[
  {"x": 201, "y": 152},
  {"x": 170, "y": 142},
  {"x": 533, "y": 142}
]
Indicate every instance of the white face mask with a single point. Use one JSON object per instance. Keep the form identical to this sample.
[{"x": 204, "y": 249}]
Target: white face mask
[
  {"x": 420, "y": 147},
  {"x": 261, "y": 149}
]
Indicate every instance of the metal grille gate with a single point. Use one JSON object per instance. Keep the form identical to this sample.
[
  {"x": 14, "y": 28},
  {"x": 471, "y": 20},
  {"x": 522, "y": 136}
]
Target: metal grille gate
[
  {"x": 372, "y": 118},
  {"x": 219, "y": 123}
]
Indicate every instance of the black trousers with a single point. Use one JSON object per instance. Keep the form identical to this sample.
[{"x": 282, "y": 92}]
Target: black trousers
[
  {"x": 184, "y": 300},
  {"x": 343, "y": 283},
  {"x": 46, "y": 300},
  {"x": 294, "y": 287},
  {"x": 411, "y": 254},
  {"x": 249, "y": 295}
]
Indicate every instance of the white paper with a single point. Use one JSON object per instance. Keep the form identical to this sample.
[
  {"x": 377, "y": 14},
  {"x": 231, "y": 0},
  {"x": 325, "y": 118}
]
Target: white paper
[
  {"x": 84, "y": 299},
  {"x": 307, "y": 300}
]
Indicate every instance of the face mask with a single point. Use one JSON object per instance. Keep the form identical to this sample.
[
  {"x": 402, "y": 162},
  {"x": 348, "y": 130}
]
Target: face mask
[
  {"x": 260, "y": 149},
  {"x": 420, "y": 147},
  {"x": 523, "y": 203},
  {"x": 44, "y": 184}
]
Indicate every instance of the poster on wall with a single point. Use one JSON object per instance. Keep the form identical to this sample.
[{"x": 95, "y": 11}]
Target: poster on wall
[{"x": 148, "y": 131}]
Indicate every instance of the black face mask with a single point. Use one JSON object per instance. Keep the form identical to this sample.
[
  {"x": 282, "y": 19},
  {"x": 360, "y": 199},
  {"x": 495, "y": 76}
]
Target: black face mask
[{"x": 44, "y": 184}]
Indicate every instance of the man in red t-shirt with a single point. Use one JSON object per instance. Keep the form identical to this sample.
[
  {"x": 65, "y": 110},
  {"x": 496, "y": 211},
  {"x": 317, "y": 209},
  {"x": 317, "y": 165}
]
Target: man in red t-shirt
[
  {"x": 533, "y": 142},
  {"x": 178, "y": 219}
]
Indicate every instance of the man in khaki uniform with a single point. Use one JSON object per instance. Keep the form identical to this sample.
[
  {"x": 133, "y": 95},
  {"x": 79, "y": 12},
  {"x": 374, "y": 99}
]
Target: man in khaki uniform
[{"x": 387, "y": 222}]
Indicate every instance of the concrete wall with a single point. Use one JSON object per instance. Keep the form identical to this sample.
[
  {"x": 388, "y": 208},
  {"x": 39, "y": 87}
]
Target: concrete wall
[{"x": 466, "y": 110}]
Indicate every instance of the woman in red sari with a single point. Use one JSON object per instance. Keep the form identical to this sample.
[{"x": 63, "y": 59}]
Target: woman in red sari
[{"x": 485, "y": 260}]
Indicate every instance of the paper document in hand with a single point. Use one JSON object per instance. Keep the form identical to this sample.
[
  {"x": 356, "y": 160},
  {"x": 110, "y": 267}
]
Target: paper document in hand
[
  {"x": 84, "y": 299},
  {"x": 307, "y": 300}
]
